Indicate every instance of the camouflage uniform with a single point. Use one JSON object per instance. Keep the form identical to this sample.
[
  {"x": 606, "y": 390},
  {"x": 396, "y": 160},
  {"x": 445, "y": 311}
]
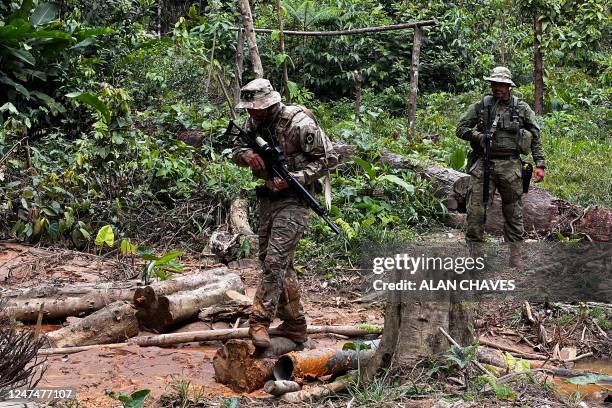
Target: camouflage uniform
[
  {"x": 517, "y": 133},
  {"x": 283, "y": 216}
]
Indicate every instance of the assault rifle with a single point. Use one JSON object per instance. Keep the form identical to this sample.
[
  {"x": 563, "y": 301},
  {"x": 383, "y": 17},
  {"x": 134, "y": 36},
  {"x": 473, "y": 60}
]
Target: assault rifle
[
  {"x": 274, "y": 159},
  {"x": 487, "y": 167}
]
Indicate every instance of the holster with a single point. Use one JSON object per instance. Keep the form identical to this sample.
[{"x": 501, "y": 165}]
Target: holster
[{"x": 526, "y": 173}]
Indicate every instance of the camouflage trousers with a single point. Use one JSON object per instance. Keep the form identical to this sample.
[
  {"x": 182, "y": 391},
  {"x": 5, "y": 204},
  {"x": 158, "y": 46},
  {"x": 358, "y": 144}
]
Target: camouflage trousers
[
  {"x": 505, "y": 178},
  {"x": 282, "y": 223}
]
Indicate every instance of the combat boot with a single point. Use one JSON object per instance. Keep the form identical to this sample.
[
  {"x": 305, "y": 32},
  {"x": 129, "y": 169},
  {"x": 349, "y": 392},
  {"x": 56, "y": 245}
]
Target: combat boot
[
  {"x": 259, "y": 335},
  {"x": 475, "y": 248},
  {"x": 293, "y": 330},
  {"x": 516, "y": 257}
]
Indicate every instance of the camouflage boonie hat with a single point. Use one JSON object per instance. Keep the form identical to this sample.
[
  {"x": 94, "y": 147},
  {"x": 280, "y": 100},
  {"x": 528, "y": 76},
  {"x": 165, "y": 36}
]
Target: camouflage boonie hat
[
  {"x": 258, "y": 94},
  {"x": 501, "y": 74}
]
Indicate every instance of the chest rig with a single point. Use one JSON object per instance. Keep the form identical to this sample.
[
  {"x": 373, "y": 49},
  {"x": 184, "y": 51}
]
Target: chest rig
[{"x": 506, "y": 140}]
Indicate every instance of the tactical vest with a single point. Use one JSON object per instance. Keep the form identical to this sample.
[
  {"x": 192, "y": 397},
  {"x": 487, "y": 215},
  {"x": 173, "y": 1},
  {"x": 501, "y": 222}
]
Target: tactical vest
[{"x": 509, "y": 138}]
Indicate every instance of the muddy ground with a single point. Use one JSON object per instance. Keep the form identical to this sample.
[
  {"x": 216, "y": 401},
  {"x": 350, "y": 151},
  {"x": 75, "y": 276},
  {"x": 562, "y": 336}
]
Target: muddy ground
[{"x": 91, "y": 373}]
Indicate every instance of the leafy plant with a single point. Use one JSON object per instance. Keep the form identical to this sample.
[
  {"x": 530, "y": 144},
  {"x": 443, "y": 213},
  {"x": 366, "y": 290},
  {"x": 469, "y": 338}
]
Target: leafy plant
[
  {"x": 161, "y": 266},
  {"x": 461, "y": 356},
  {"x": 133, "y": 400}
]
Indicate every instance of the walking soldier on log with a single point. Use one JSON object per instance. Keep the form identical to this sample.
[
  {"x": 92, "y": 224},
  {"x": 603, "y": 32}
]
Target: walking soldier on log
[
  {"x": 283, "y": 214},
  {"x": 504, "y": 127}
]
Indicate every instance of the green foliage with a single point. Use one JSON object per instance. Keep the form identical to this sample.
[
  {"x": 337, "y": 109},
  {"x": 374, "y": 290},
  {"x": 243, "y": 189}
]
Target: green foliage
[
  {"x": 461, "y": 356},
  {"x": 133, "y": 400},
  {"x": 105, "y": 236},
  {"x": 162, "y": 267}
]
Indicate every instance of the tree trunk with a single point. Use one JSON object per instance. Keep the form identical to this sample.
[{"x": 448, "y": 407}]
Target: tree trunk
[
  {"x": 247, "y": 20},
  {"x": 111, "y": 324},
  {"x": 244, "y": 368},
  {"x": 158, "y": 311},
  {"x": 239, "y": 217},
  {"x": 279, "y": 7},
  {"x": 538, "y": 70},
  {"x": 239, "y": 65},
  {"x": 63, "y": 301},
  {"x": 414, "y": 79}
]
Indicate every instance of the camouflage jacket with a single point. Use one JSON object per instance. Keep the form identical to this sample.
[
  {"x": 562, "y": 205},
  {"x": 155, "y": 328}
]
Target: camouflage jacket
[
  {"x": 309, "y": 152},
  {"x": 479, "y": 117}
]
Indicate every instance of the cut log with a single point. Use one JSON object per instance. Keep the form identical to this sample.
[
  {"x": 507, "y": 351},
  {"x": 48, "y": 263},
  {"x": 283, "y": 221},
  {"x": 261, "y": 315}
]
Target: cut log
[
  {"x": 239, "y": 217},
  {"x": 543, "y": 213},
  {"x": 67, "y": 300},
  {"x": 158, "y": 311},
  {"x": 243, "y": 367},
  {"x": 111, "y": 324},
  {"x": 320, "y": 391},
  {"x": 227, "y": 311}
]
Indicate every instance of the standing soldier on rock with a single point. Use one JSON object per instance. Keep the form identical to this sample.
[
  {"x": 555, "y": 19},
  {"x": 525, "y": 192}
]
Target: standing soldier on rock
[
  {"x": 283, "y": 216},
  {"x": 516, "y": 132}
]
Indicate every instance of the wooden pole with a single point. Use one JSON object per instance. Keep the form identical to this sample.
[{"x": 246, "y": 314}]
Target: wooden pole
[
  {"x": 239, "y": 64},
  {"x": 414, "y": 80},
  {"x": 539, "y": 72},
  {"x": 358, "y": 82},
  {"x": 247, "y": 20},
  {"x": 355, "y": 31},
  {"x": 282, "y": 50},
  {"x": 211, "y": 65}
]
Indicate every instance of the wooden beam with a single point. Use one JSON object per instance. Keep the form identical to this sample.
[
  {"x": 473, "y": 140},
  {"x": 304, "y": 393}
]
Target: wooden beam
[{"x": 356, "y": 31}]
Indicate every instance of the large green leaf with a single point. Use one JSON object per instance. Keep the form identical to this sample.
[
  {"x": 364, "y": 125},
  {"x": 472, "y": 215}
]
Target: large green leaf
[
  {"x": 396, "y": 180},
  {"x": 18, "y": 87},
  {"x": 16, "y": 30},
  {"x": 170, "y": 256},
  {"x": 22, "y": 55},
  {"x": 367, "y": 167},
  {"x": 43, "y": 14},
  {"x": 92, "y": 101},
  {"x": 105, "y": 236},
  {"x": 55, "y": 106}
]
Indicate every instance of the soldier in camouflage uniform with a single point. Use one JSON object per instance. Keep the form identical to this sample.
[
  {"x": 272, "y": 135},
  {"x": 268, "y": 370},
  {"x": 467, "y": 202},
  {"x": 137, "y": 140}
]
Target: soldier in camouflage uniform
[
  {"x": 283, "y": 216},
  {"x": 517, "y": 132}
]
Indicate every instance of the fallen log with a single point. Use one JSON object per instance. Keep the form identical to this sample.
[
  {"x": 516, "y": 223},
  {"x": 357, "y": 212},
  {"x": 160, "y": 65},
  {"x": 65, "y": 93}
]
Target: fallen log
[
  {"x": 113, "y": 323},
  {"x": 157, "y": 311},
  {"x": 63, "y": 301},
  {"x": 543, "y": 213},
  {"x": 245, "y": 368},
  {"x": 80, "y": 299},
  {"x": 227, "y": 311},
  {"x": 241, "y": 333},
  {"x": 205, "y": 335}
]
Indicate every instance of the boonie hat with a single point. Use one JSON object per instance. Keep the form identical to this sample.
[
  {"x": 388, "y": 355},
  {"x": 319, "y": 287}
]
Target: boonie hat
[
  {"x": 258, "y": 94},
  {"x": 501, "y": 74}
]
